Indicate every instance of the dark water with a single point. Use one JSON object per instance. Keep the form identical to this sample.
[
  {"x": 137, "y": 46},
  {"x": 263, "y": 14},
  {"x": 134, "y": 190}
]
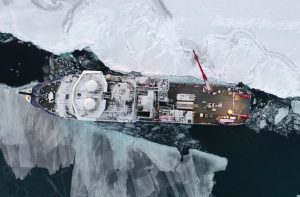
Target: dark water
[
  {"x": 260, "y": 164},
  {"x": 37, "y": 184},
  {"x": 21, "y": 63}
]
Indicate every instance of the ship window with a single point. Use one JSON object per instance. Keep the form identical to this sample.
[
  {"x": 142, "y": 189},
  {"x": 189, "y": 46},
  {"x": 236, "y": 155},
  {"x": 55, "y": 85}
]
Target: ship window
[
  {"x": 79, "y": 95},
  {"x": 67, "y": 96}
]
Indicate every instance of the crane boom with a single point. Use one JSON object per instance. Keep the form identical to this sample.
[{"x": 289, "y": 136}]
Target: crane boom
[{"x": 207, "y": 87}]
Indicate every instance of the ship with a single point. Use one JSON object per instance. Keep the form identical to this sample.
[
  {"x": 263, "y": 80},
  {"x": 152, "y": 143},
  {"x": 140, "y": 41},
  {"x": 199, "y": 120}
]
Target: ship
[
  {"x": 93, "y": 96},
  {"x": 130, "y": 98}
]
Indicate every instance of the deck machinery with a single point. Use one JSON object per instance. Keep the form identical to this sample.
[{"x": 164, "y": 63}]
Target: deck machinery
[{"x": 94, "y": 96}]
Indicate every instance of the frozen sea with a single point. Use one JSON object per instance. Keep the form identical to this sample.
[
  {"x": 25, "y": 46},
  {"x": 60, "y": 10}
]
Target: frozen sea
[
  {"x": 262, "y": 163},
  {"x": 259, "y": 40}
]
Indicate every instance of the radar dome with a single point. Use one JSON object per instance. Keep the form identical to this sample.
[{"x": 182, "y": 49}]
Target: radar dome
[
  {"x": 91, "y": 85},
  {"x": 89, "y": 103}
]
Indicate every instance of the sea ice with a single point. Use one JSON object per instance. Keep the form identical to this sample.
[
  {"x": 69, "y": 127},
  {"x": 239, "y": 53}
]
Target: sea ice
[
  {"x": 253, "y": 42},
  {"x": 282, "y": 113},
  {"x": 275, "y": 114},
  {"x": 296, "y": 106},
  {"x": 106, "y": 162},
  {"x": 262, "y": 124}
]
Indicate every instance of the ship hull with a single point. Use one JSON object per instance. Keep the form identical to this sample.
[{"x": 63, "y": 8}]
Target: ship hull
[{"x": 142, "y": 99}]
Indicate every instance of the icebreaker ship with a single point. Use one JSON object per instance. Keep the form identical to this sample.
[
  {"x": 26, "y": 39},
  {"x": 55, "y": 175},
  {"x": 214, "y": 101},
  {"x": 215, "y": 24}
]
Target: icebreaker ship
[{"x": 93, "y": 96}]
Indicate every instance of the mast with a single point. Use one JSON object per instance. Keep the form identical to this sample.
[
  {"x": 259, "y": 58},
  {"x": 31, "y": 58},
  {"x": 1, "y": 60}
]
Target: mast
[{"x": 207, "y": 88}]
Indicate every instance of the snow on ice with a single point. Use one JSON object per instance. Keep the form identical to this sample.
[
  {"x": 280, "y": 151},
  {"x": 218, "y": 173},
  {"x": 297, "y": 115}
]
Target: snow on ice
[
  {"x": 282, "y": 113},
  {"x": 106, "y": 162},
  {"x": 253, "y": 42},
  {"x": 278, "y": 115},
  {"x": 296, "y": 106}
]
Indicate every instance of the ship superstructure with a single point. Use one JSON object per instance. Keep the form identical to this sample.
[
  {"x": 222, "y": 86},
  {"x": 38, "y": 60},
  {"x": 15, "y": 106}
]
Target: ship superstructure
[{"x": 94, "y": 96}]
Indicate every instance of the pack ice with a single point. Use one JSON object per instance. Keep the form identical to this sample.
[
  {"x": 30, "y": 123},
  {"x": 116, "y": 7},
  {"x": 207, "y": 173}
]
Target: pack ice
[
  {"x": 254, "y": 42},
  {"x": 106, "y": 162},
  {"x": 278, "y": 115}
]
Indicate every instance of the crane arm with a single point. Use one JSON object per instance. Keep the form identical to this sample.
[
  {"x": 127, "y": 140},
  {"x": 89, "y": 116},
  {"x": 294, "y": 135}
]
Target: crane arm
[
  {"x": 207, "y": 85},
  {"x": 198, "y": 62}
]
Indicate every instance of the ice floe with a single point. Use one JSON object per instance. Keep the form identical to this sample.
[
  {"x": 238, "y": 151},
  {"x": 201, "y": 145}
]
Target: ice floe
[
  {"x": 253, "y": 42},
  {"x": 296, "y": 106},
  {"x": 106, "y": 162},
  {"x": 282, "y": 113},
  {"x": 275, "y": 114}
]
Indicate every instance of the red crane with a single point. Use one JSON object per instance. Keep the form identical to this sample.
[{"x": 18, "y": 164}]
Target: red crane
[{"x": 207, "y": 88}]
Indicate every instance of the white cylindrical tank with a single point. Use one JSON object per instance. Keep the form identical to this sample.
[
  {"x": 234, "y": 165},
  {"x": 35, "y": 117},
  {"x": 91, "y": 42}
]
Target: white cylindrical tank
[
  {"x": 91, "y": 85},
  {"x": 89, "y": 103}
]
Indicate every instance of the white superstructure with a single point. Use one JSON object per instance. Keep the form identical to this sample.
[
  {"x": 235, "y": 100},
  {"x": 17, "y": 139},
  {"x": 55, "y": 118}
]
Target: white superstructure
[{"x": 87, "y": 97}]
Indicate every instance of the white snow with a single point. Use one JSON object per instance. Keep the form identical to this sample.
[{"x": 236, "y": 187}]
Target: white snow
[
  {"x": 106, "y": 162},
  {"x": 256, "y": 42},
  {"x": 296, "y": 106},
  {"x": 282, "y": 113}
]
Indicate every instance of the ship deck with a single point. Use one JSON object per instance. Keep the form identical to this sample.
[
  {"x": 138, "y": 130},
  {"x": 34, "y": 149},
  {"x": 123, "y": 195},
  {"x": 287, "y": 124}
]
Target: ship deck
[
  {"x": 206, "y": 108},
  {"x": 213, "y": 105},
  {"x": 42, "y": 92}
]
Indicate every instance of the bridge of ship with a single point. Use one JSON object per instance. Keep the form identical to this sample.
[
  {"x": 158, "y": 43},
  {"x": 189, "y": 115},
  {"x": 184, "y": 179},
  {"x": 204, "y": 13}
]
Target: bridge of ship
[
  {"x": 97, "y": 97},
  {"x": 87, "y": 95},
  {"x": 208, "y": 107}
]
